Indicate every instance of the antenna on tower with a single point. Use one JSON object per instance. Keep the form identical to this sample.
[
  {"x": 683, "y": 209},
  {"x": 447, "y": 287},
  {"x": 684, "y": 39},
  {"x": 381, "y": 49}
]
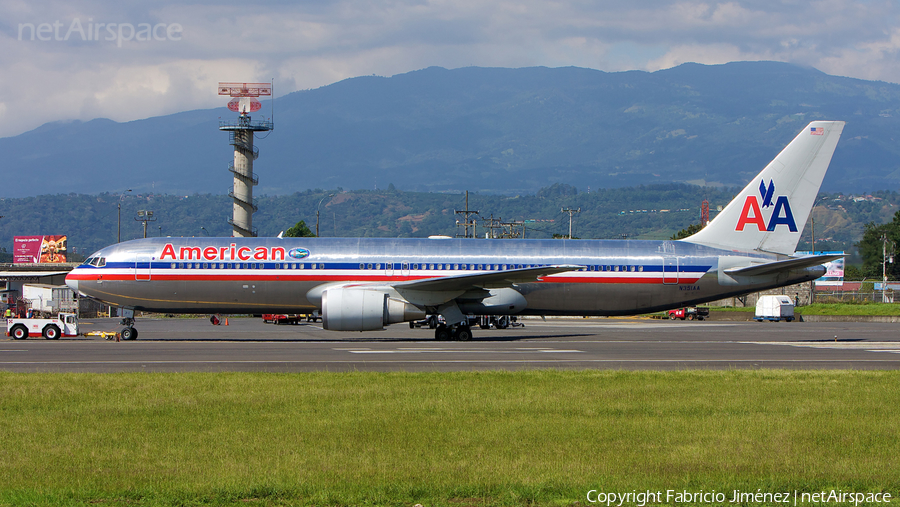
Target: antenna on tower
[{"x": 244, "y": 101}]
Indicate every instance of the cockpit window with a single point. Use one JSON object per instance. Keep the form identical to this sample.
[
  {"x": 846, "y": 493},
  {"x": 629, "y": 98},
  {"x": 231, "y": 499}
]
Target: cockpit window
[
  {"x": 102, "y": 262},
  {"x": 88, "y": 261}
]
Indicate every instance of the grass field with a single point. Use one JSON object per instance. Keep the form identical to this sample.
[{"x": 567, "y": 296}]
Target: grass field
[{"x": 479, "y": 438}]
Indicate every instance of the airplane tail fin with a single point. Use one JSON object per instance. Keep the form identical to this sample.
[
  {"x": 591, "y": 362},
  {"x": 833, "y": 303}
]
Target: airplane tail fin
[{"x": 769, "y": 214}]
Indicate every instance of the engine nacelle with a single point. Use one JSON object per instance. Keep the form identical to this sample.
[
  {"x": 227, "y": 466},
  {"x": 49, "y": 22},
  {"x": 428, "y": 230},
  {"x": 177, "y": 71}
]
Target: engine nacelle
[{"x": 364, "y": 310}]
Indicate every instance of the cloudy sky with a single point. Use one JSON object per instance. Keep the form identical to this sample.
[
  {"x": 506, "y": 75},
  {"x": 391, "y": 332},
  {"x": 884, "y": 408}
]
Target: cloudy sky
[{"x": 75, "y": 59}]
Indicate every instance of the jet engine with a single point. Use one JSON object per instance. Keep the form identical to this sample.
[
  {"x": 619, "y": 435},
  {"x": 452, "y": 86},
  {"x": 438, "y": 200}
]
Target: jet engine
[{"x": 364, "y": 310}]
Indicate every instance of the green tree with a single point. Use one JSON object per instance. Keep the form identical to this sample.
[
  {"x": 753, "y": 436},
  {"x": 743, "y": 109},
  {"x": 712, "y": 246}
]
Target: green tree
[
  {"x": 852, "y": 272},
  {"x": 299, "y": 230},
  {"x": 872, "y": 246},
  {"x": 690, "y": 231}
]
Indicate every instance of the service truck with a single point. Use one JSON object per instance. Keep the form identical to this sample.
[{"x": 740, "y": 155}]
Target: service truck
[
  {"x": 689, "y": 313},
  {"x": 774, "y": 308},
  {"x": 65, "y": 324}
]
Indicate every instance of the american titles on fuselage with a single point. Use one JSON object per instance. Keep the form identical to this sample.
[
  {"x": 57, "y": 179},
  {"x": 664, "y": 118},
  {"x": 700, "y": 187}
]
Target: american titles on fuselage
[{"x": 230, "y": 253}]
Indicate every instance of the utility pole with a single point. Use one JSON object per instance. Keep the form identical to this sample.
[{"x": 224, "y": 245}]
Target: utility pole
[
  {"x": 884, "y": 261},
  {"x": 571, "y": 212},
  {"x": 493, "y": 224},
  {"x": 466, "y": 221},
  {"x": 510, "y": 229},
  {"x": 812, "y": 233}
]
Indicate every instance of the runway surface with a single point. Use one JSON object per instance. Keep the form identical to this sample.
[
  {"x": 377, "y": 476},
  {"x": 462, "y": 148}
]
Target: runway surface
[{"x": 171, "y": 345}]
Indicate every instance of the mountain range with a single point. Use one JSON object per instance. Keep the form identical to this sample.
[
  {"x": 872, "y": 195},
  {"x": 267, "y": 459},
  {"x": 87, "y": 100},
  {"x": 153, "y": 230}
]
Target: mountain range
[{"x": 497, "y": 130}]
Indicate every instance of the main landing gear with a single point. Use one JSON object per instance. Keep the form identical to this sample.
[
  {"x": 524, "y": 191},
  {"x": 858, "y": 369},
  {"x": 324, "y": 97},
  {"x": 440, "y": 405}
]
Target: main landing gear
[
  {"x": 459, "y": 332},
  {"x": 128, "y": 332}
]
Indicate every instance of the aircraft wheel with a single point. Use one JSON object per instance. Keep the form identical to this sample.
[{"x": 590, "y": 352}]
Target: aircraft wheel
[
  {"x": 51, "y": 332},
  {"x": 129, "y": 333},
  {"x": 19, "y": 332},
  {"x": 442, "y": 333},
  {"x": 462, "y": 334}
]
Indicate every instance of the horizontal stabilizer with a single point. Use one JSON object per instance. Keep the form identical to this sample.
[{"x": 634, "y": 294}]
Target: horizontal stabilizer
[
  {"x": 492, "y": 279},
  {"x": 785, "y": 265}
]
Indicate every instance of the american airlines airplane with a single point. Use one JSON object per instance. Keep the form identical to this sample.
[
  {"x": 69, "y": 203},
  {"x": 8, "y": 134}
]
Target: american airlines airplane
[{"x": 364, "y": 284}]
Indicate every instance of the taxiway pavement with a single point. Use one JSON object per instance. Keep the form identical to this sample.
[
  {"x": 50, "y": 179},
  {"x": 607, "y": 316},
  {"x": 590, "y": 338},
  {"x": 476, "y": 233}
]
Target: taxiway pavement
[{"x": 246, "y": 344}]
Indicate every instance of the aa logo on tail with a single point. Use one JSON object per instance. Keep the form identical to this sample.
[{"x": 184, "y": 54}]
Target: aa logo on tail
[{"x": 752, "y": 214}]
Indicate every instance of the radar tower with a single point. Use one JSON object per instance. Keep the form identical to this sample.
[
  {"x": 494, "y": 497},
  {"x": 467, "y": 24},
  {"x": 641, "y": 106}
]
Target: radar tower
[{"x": 241, "y": 133}]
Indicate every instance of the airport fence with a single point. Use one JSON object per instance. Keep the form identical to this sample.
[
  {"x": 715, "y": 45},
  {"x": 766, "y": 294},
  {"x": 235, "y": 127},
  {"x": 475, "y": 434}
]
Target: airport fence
[{"x": 855, "y": 297}]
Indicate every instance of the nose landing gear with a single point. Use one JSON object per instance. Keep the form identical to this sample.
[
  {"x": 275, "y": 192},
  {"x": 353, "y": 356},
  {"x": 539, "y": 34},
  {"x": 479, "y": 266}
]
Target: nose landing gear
[{"x": 128, "y": 332}]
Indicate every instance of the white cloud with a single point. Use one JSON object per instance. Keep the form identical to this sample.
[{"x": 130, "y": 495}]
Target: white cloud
[
  {"x": 314, "y": 43},
  {"x": 709, "y": 54}
]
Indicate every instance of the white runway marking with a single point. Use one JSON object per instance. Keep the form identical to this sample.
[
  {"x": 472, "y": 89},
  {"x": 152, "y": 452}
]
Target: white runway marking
[
  {"x": 891, "y": 347},
  {"x": 636, "y": 325},
  {"x": 462, "y": 351}
]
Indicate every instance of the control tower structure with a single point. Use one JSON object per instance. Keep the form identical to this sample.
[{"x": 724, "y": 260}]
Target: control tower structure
[{"x": 241, "y": 133}]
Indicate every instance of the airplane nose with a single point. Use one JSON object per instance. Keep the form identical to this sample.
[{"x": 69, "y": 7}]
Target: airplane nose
[{"x": 72, "y": 283}]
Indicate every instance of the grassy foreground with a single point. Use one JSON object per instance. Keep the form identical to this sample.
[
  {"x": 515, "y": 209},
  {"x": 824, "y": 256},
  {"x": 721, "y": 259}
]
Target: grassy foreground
[{"x": 477, "y": 438}]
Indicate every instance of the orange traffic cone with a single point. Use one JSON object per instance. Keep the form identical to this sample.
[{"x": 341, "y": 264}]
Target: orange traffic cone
[{"x": 226, "y": 321}]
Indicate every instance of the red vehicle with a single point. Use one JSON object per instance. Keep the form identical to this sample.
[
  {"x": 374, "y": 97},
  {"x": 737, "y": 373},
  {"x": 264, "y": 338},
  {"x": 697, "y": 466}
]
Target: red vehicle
[
  {"x": 280, "y": 318},
  {"x": 689, "y": 313}
]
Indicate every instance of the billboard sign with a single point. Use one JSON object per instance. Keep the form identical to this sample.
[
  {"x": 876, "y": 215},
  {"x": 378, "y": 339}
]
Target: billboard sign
[
  {"x": 39, "y": 249},
  {"x": 834, "y": 274}
]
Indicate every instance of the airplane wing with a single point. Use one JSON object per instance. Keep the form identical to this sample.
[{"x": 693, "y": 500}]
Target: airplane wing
[
  {"x": 490, "y": 280},
  {"x": 785, "y": 265}
]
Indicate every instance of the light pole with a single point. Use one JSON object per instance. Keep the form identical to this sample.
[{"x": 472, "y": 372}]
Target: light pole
[
  {"x": 204, "y": 230},
  {"x": 317, "y": 212},
  {"x": 119, "y": 206},
  {"x": 145, "y": 216}
]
